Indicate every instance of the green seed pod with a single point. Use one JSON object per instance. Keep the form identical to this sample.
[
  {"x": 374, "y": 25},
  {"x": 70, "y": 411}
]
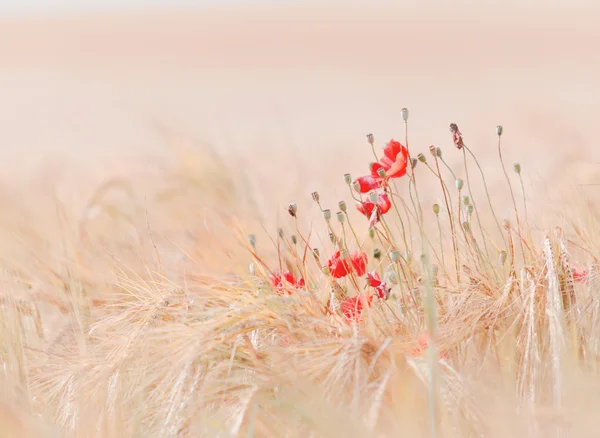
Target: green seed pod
[
  {"x": 517, "y": 168},
  {"x": 294, "y": 239},
  {"x": 466, "y": 200},
  {"x": 315, "y": 196},
  {"x": 292, "y": 209},
  {"x": 395, "y": 255},
  {"x": 341, "y": 217},
  {"x": 342, "y": 206},
  {"x": 422, "y": 158},
  {"x": 347, "y": 178},
  {"x": 252, "y": 240},
  {"x": 327, "y": 214},
  {"x": 499, "y": 130},
  {"x": 372, "y": 233},
  {"x": 404, "y": 113},
  {"x": 381, "y": 172},
  {"x": 436, "y": 209},
  {"x": 370, "y": 139},
  {"x": 377, "y": 254},
  {"x": 413, "y": 162},
  {"x": 280, "y": 233},
  {"x": 459, "y": 184},
  {"x": 470, "y": 209}
]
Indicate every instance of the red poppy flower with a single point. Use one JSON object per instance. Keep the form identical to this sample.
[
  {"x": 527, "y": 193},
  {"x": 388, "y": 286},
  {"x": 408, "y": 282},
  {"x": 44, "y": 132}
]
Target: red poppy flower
[
  {"x": 381, "y": 287},
  {"x": 579, "y": 275},
  {"x": 374, "y": 210},
  {"x": 279, "y": 279},
  {"x": 394, "y": 162},
  {"x": 352, "y": 308},
  {"x": 340, "y": 267}
]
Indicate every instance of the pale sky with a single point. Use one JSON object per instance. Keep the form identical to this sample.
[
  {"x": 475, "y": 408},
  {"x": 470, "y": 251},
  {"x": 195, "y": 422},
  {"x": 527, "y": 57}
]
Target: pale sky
[{"x": 19, "y": 6}]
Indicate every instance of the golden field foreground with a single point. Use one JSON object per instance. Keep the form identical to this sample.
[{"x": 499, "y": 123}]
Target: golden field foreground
[
  {"x": 176, "y": 259},
  {"x": 153, "y": 312}
]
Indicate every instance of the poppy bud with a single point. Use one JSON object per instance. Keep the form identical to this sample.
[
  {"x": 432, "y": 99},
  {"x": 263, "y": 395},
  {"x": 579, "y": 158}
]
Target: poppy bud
[
  {"x": 502, "y": 257},
  {"x": 381, "y": 172},
  {"x": 466, "y": 227},
  {"x": 347, "y": 178},
  {"x": 372, "y": 233},
  {"x": 342, "y": 205},
  {"x": 432, "y": 150},
  {"x": 373, "y": 197},
  {"x": 252, "y": 269},
  {"x": 438, "y": 152},
  {"x": 395, "y": 255},
  {"x": 470, "y": 209},
  {"x": 356, "y": 186},
  {"x": 436, "y": 209},
  {"x": 370, "y": 139},
  {"x": 326, "y": 270},
  {"x": 466, "y": 200},
  {"x": 327, "y": 214},
  {"x": 252, "y": 240},
  {"x": 292, "y": 209},
  {"x": 422, "y": 158},
  {"x": 499, "y": 130},
  {"x": 377, "y": 253},
  {"x": 517, "y": 168},
  {"x": 404, "y": 113},
  {"x": 316, "y": 252},
  {"x": 280, "y": 232},
  {"x": 340, "y": 217},
  {"x": 315, "y": 196},
  {"x": 459, "y": 184},
  {"x": 294, "y": 239},
  {"x": 413, "y": 162},
  {"x": 332, "y": 237}
]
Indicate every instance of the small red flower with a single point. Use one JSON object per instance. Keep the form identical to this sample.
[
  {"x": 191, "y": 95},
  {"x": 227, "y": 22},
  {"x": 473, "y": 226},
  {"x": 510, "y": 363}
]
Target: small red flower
[
  {"x": 373, "y": 211},
  {"x": 340, "y": 267},
  {"x": 280, "y": 279},
  {"x": 423, "y": 345},
  {"x": 352, "y": 308},
  {"x": 394, "y": 162},
  {"x": 380, "y": 286},
  {"x": 579, "y": 275}
]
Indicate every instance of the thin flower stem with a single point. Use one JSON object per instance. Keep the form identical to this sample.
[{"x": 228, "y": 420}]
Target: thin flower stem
[
  {"x": 512, "y": 195},
  {"x": 449, "y": 168},
  {"x": 474, "y": 203},
  {"x": 487, "y": 193},
  {"x": 400, "y": 218},
  {"x": 525, "y": 207},
  {"x": 451, "y": 218}
]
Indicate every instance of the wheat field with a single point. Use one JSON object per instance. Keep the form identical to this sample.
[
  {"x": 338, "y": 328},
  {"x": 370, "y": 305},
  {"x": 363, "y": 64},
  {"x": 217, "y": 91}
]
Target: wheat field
[{"x": 199, "y": 238}]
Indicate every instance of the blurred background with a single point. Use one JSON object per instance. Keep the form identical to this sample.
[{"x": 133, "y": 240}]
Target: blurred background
[{"x": 286, "y": 91}]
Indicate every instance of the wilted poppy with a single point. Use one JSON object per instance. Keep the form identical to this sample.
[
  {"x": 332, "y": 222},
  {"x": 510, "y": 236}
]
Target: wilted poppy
[{"x": 380, "y": 286}]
